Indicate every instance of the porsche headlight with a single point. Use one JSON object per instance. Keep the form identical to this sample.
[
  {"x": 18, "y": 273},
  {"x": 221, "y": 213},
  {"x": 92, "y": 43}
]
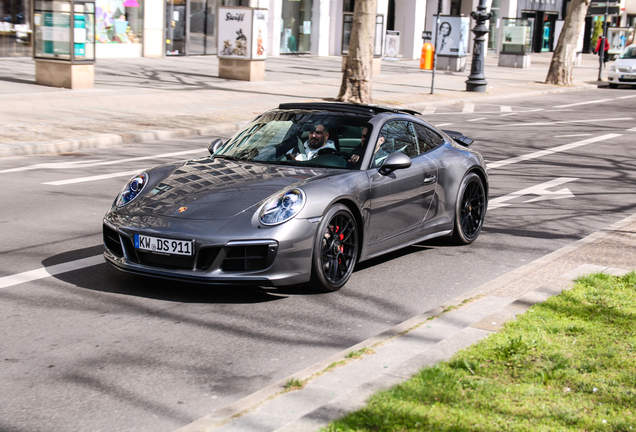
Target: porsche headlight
[
  {"x": 133, "y": 188},
  {"x": 282, "y": 208}
]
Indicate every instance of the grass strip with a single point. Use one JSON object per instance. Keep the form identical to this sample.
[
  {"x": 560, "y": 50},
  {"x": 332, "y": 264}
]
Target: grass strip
[{"x": 568, "y": 364}]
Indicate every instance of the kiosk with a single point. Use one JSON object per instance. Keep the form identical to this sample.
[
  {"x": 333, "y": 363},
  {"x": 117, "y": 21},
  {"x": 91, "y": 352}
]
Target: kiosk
[
  {"x": 64, "y": 43},
  {"x": 516, "y": 42},
  {"x": 241, "y": 43}
]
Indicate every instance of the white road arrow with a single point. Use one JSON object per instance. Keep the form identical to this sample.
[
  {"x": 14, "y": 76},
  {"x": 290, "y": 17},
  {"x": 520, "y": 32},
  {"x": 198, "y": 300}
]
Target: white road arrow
[{"x": 541, "y": 190}]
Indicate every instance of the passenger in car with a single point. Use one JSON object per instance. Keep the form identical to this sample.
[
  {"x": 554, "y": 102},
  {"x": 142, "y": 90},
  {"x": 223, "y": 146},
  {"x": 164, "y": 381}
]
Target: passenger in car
[{"x": 357, "y": 152}]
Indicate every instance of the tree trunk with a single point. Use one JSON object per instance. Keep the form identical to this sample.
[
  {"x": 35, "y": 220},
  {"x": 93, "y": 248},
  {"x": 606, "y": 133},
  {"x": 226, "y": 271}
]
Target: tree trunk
[
  {"x": 560, "y": 71},
  {"x": 356, "y": 78}
]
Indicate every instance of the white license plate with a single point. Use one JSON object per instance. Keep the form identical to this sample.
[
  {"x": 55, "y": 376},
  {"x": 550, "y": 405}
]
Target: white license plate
[{"x": 166, "y": 246}]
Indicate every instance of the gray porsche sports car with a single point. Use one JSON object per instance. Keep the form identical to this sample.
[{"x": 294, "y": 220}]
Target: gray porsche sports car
[{"x": 298, "y": 197}]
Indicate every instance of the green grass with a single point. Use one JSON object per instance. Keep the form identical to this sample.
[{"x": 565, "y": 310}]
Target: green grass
[
  {"x": 293, "y": 384},
  {"x": 568, "y": 364}
]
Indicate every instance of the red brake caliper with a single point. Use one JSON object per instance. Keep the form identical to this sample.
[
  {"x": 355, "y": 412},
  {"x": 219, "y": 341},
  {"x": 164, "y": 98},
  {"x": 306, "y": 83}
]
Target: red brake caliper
[{"x": 340, "y": 237}]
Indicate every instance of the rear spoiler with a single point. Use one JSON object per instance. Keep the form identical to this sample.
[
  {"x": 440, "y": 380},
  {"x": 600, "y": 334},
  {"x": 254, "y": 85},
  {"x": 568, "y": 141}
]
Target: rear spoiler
[{"x": 459, "y": 137}]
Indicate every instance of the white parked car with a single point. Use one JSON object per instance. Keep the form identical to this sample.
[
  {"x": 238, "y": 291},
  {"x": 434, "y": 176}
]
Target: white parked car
[{"x": 623, "y": 70}]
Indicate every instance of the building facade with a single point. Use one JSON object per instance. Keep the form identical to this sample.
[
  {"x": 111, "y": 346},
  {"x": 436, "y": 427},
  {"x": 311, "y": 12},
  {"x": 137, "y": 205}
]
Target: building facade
[{"x": 156, "y": 28}]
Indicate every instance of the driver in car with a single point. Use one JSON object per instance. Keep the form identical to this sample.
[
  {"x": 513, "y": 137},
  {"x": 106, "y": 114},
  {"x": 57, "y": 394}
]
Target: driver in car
[{"x": 316, "y": 144}]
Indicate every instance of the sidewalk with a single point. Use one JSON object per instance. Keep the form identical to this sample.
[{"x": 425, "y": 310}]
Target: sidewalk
[{"x": 145, "y": 99}]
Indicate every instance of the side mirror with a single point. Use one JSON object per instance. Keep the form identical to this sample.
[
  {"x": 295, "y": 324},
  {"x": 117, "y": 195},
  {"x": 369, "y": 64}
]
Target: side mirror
[
  {"x": 395, "y": 161},
  {"x": 215, "y": 146}
]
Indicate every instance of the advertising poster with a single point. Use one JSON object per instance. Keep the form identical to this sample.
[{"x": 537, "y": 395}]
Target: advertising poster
[
  {"x": 515, "y": 35},
  {"x": 452, "y": 36},
  {"x": 235, "y": 33},
  {"x": 392, "y": 48},
  {"x": 259, "y": 34},
  {"x": 56, "y": 36}
]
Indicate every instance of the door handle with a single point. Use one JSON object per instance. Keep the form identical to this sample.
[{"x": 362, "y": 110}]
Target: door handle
[{"x": 430, "y": 179}]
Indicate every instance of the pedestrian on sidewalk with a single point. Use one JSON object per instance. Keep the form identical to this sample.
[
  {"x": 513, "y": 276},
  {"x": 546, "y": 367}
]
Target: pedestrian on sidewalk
[{"x": 602, "y": 52}]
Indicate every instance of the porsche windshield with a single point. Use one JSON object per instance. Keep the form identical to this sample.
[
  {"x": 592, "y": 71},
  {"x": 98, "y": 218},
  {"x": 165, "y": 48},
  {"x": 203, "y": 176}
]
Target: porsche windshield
[{"x": 300, "y": 138}]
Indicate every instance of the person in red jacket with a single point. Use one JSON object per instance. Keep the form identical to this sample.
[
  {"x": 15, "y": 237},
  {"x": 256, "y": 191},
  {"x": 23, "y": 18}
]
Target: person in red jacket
[{"x": 604, "y": 52}]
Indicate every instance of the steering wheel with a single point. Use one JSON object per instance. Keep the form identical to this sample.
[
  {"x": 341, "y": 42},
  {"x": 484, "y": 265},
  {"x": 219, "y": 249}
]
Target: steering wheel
[{"x": 329, "y": 150}]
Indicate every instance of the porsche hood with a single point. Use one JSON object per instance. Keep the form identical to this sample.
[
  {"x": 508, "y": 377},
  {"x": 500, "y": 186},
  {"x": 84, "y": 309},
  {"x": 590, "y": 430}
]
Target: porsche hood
[{"x": 217, "y": 189}]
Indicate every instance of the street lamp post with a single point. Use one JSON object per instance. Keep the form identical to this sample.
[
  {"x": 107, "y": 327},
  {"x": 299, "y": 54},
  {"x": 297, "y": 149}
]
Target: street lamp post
[{"x": 476, "y": 80}]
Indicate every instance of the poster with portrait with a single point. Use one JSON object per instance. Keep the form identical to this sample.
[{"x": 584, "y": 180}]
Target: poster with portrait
[
  {"x": 235, "y": 32},
  {"x": 392, "y": 48},
  {"x": 452, "y": 36}
]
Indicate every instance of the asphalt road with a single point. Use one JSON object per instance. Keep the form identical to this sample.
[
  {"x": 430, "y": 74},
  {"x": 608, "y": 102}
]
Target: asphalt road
[{"x": 95, "y": 349}]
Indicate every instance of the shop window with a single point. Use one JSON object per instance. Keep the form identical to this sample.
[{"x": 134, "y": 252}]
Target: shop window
[
  {"x": 119, "y": 21},
  {"x": 296, "y": 26},
  {"x": 15, "y": 28}
]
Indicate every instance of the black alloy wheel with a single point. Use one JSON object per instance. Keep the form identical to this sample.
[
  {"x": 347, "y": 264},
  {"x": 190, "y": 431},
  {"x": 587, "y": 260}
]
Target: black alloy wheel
[
  {"x": 470, "y": 210},
  {"x": 335, "y": 249}
]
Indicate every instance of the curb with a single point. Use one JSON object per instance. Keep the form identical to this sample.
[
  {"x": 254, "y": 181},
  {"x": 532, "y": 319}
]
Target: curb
[
  {"x": 491, "y": 323},
  {"x": 106, "y": 140},
  {"x": 581, "y": 87}
]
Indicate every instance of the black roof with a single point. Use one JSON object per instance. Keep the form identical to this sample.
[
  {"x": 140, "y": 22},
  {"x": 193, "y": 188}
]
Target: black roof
[{"x": 347, "y": 108}]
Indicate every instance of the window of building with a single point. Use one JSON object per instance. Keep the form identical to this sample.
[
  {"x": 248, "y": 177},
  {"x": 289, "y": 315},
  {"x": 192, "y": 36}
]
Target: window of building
[
  {"x": 493, "y": 26},
  {"x": 15, "y": 28},
  {"x": 119, "y": 21},
  {"x": 296, "y": 26}
]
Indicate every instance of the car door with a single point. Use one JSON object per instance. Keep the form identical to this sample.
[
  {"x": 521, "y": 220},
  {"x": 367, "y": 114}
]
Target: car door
[{"x": 401, "y": 199}]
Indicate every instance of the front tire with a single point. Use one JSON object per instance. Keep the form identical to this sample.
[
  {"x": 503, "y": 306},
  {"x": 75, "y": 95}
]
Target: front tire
[
  {"x": 335, "y": 250},
  {"x": 470, "y": 210}
]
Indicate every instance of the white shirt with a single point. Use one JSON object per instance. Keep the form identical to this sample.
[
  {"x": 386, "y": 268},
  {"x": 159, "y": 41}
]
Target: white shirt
[{"x": 311, "y": 153}]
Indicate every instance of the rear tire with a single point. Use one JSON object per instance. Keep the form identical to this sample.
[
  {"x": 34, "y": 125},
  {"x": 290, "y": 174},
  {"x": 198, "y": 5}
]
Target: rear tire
[
  {"x": 470, "y": 210},
  {"x": 335, "y": 250}
]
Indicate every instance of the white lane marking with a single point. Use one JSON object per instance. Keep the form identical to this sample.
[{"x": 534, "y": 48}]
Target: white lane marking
[
  {"x": 541, "y": 190},
  {"x": 477, "y": 119},
  {"x": 505, "y": 108},
  {"x": 572, "y": 135},
  {"x": 631, "y": 130},
  {"x": 569, "y": 121},
  {"x": 558, "y": 149},
  {"x": 468, "y": 107},
  {"x": 626, "y": 97},
  {"x": 429, "y": 110},
  {"x": 92, "y": 163},
  {"x": 93, "y": 178},
  {"x": 583, "y": 103},
  {"x": 29, "y": 276},
  {"x": 509, "y": 114},
  {"x": 443, "y": 124}
]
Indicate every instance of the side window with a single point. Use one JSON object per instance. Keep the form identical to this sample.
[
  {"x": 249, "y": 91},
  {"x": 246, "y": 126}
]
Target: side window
[
  {"x": 395, "y": 136},
  {"x": 426, "y": 138}
]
